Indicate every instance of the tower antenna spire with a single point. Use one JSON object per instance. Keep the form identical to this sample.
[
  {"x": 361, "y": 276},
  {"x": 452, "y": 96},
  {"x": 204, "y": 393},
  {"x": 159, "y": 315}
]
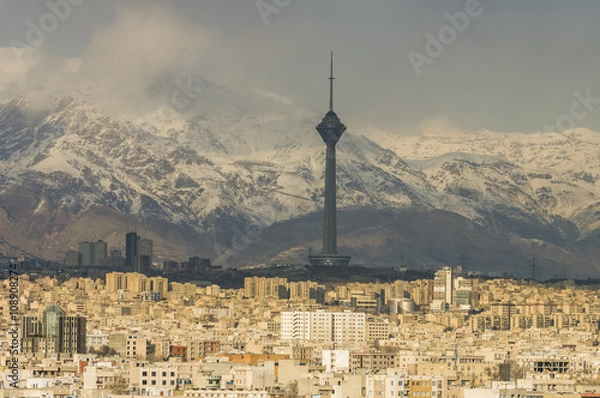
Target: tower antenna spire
[{"x": 331, "y": 78}]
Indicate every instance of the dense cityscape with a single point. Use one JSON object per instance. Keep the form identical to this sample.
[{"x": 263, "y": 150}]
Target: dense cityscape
[{"x": 129, "y": 334}]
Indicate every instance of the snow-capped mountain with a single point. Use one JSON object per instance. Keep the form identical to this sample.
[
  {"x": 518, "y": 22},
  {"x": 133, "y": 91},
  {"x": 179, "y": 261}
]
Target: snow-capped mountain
[{"x": 247, "y": 180}]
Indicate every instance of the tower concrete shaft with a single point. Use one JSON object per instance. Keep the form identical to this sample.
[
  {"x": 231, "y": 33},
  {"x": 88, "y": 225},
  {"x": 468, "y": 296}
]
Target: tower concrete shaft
[{"x": 330, "y": 222}]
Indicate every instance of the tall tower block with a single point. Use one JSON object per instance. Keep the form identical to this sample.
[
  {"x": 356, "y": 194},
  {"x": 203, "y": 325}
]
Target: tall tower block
[
  {"x": 331, "y": 130},
  {"x": 131, "y": 249}
]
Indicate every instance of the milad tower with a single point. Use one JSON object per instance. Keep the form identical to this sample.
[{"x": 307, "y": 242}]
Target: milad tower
[{"x": 331, "y": 130}]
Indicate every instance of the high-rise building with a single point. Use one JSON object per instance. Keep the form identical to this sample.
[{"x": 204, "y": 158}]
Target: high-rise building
[
  {"x": 443, "y": 284},
  {"x": 93, "y": 254},
  {"x": 55, "y": 332},
  {"x": 138, "y": 253},
  {"x": 72, "y": 259},
  {"x": 86, "y": 250},
  {"x": 71, "y": 336},
  {"x": 462, "y": 292},
  {"x": 99, "y": 251},
  {"x": 199, "y": 263},
  {"x": 131, "y": 249},
  {"x": 142, "y": 265},
  {"x": 331, "y": 130},
  {"x": 31, "y": 333},
  {"x": 145, "y": 248},
  {"x": 115, "y": 259},
  {"x": 144, "y": 256},
  {"x": 50, "y": 318}
]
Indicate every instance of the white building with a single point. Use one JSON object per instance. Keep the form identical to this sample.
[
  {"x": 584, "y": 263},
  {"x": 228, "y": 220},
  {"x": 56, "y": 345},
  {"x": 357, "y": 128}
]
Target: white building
[
  {"x": 323, "y": 327},
  {"x": 154, "y": 379},
  {"x": 336, "y": 360},
  {"x": 96, "y": 339},
  {"x": 226, "y": 394}
]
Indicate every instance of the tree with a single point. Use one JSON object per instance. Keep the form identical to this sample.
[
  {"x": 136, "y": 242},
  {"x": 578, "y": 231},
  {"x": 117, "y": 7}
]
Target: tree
[
  {"x": 291, "y": 389},
  {"x": 103, "y": 351},
  {"x": 119, "y": 386},
  {"x": 516, "y": 371},
  {"x": 492, "y": 373}
]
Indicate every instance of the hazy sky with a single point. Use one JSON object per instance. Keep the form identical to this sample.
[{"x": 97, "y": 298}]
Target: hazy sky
[{"x": 515, "y": 65}]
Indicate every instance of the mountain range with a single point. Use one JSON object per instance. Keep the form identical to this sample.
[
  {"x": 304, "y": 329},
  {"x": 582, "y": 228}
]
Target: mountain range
[{"x": 240, "y": 179}]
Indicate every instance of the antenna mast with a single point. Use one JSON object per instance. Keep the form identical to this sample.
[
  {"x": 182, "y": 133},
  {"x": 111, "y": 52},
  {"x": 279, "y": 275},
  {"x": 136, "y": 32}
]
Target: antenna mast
[{"x": 331, "y": 78}]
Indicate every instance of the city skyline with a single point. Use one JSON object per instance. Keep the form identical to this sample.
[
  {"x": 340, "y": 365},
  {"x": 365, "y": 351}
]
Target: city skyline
[{"x": 373, "y": 339}]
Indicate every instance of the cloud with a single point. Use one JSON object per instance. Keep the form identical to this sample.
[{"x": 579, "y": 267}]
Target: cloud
[
  {"x": 121, "y": 62},
  {"x": 12, "y": 72},
  {"x": 514, "y": 69},
  {"x": 126, "y": 58},
  {"x": 438, "y": 126},
  {"x": 142, "y": 45},
  {"x": 274, "y": 96}
]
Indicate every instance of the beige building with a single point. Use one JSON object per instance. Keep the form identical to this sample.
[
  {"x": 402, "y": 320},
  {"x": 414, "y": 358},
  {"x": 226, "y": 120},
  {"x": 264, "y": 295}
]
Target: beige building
[
  {"x": 129, "y": 345},
  {"x": 372, "y": 360},
  {"x": 136, "y": 283},
  {"x": 377, "y": 329},
  {"x": 396, "y": 384}
]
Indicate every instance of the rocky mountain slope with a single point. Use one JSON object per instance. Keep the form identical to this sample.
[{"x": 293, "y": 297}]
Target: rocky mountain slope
[{"x": 243, "y": 184}]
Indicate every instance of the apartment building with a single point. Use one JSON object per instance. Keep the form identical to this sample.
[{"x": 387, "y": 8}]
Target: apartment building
[
  {"x": 154, "y": 379},
  {"x": 323, "y": 327},
  {"x": 394, "y": 384}
]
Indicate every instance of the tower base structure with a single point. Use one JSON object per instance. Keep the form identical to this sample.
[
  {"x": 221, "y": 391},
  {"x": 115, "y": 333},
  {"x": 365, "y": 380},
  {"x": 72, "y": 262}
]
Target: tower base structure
[{"x": 320, "y": 260}]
